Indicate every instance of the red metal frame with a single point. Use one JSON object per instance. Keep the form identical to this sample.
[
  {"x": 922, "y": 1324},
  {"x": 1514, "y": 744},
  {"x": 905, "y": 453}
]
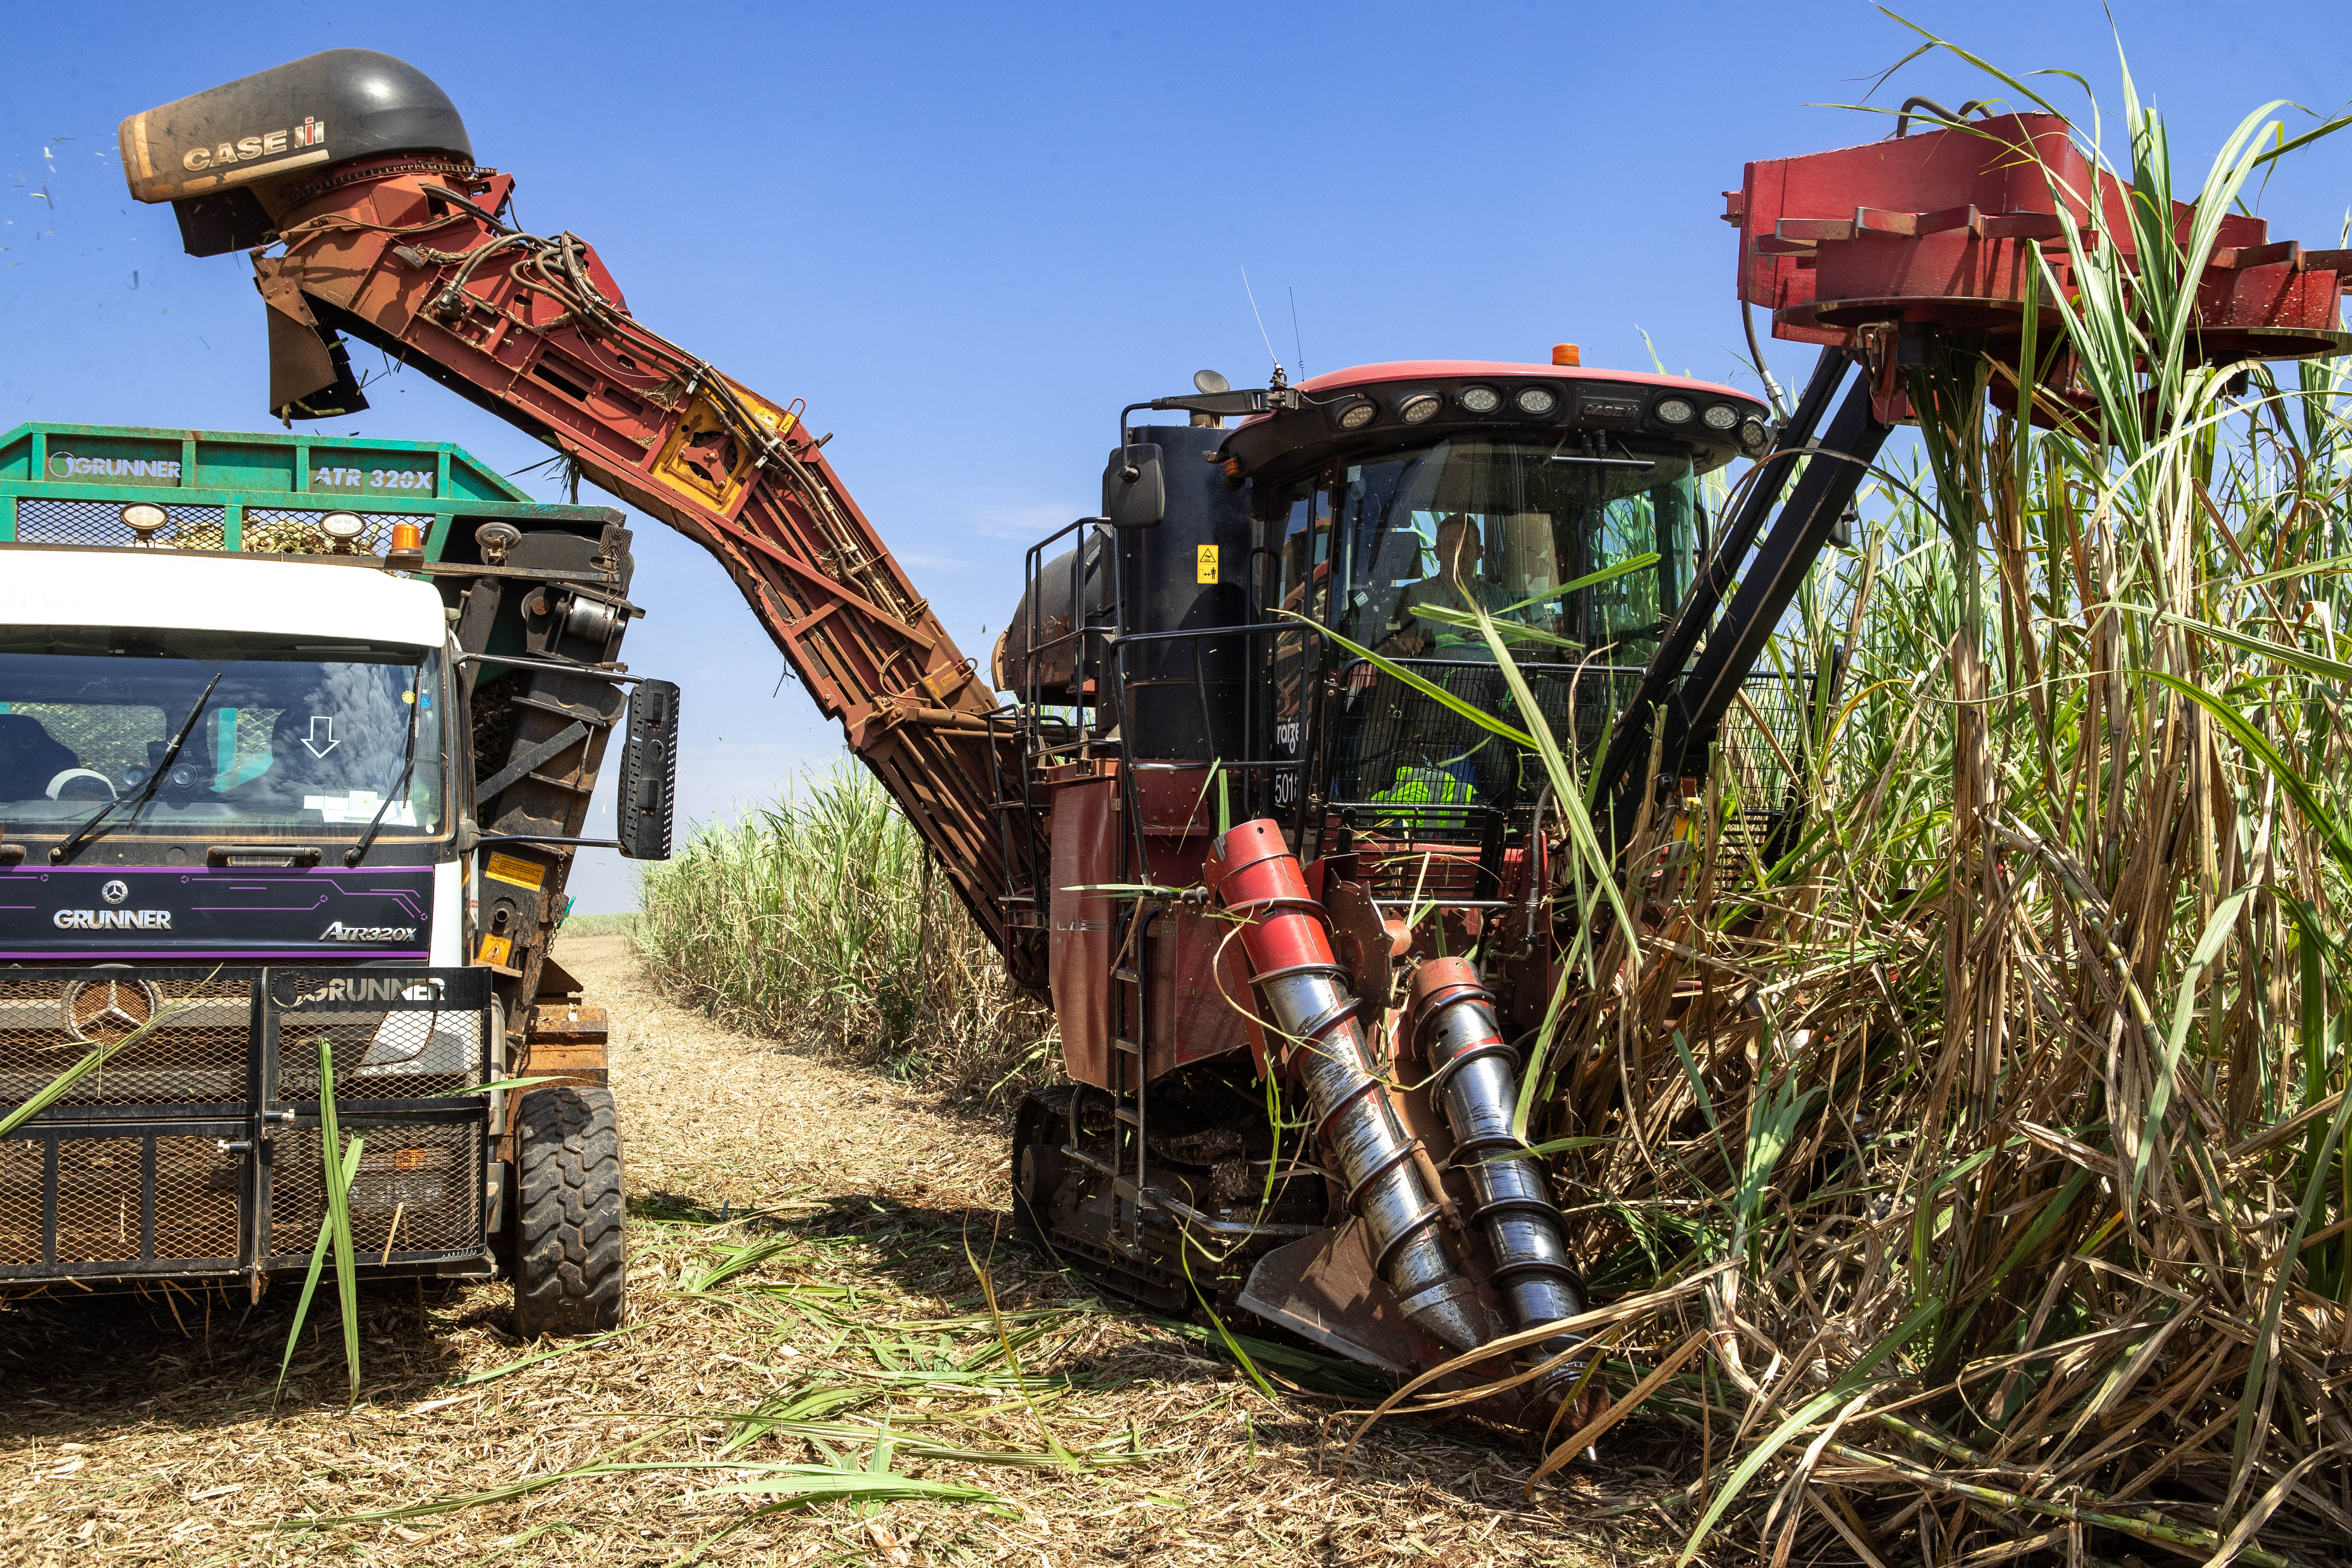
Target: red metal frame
[
  {"x": 1939, "y": 231},
  {"x": 415, "y": 262}
]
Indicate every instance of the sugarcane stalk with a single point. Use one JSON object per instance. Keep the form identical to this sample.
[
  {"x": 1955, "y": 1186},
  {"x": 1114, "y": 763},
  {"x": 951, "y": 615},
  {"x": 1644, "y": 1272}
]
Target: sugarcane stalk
[{"x": 2155, "y": 1531}]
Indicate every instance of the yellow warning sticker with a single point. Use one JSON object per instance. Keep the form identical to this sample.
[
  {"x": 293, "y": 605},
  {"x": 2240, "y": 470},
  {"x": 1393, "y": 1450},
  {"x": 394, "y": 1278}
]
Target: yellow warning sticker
[
  {"x": 521, "y": 873},
  {"x": 494, "y": 950},
  {"x": 1205, "y": 570}
]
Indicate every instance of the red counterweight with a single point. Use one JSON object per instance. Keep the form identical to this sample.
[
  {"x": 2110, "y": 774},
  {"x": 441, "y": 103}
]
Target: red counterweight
[{"x": 1946, "y": 230}]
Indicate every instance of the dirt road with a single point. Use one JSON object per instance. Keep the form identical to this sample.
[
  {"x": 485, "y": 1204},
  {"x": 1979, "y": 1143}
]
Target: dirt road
[{"x": 812, "y": 1251}]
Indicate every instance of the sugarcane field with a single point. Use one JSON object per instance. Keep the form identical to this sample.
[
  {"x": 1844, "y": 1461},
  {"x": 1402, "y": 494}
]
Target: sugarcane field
[{"x": 1650, "y": 927}]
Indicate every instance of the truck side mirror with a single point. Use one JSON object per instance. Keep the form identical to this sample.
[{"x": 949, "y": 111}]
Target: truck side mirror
[
  {"x": 649, "y": 771},
  {"x": 1135, "y": 487}
]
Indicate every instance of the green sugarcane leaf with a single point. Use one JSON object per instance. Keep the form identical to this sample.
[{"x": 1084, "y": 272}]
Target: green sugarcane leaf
[
  {"x": 339, "y": 1175},
  {"x": 1837, "y": 1394},
  {"x": 58, "y": 1087},
  {"x": 310, "y": 1280},
  {"x": 1233, "y": 1346},
  {"x": 1427, "y": 688},
  {"x": 1512, "y": 630},
  {"x": 2292, "y": 657},
  {"x": 2304, "y": 793},
  {"x": 2184, "y": 1011},
  {"x": 1624, "y": 568},
  {"x": 2326, "y": 568}
]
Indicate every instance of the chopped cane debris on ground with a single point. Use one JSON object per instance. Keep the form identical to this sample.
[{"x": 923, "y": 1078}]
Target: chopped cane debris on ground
[{"x": 804, "y": 1324}]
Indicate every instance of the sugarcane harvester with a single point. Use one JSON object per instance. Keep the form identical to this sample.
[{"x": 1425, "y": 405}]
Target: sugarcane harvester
[{"x": 1300, "y": 916}]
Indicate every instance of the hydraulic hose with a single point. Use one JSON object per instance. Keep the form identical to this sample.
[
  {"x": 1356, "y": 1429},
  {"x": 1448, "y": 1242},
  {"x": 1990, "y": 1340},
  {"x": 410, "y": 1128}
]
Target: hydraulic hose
[
  {"x": 1474, "y": 1081},
  {"x": 1306, "y": 993}
]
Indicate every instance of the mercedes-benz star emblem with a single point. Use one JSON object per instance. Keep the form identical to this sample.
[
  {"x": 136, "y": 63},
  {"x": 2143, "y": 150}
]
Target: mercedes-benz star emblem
[
  {"x": 115, "y": 891},
  {"x": 102, "y": 1012}
]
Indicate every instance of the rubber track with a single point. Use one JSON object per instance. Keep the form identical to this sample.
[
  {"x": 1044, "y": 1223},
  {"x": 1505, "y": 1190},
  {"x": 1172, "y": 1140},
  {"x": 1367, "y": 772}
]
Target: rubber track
[{"x": 569, "y": 1253}]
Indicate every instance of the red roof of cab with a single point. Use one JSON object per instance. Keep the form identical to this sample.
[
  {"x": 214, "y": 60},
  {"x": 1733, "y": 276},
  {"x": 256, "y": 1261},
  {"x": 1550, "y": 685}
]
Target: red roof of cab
[{"x": 1432, "y": 369}]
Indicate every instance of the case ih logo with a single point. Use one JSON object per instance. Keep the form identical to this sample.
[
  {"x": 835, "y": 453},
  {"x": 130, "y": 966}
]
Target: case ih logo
[
  {"x": 357, "y": 990},
  {"x": 339, "y": 932},
  {"x": 245, "y": 149}
]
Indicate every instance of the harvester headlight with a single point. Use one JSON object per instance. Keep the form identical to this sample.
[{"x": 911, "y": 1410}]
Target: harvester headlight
[
  {"x": 1418, "y": 407},
  {"x": 1356, "y": 415},
  {"x": 1675, "y": 410},
  {"x": 144, "y": 518},
  {"x": 1754, "y": 436},
  {"x": 343, "y": 527},
  {"x": 1481, "y": 399},
  {"x": 1720, "y": 417},
  {"x": 1537, "y": 401}
]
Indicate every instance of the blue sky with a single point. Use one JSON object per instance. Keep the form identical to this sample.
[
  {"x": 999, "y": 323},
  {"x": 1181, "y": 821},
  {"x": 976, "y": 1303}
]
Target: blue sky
[{"x": 967, "y": 235}]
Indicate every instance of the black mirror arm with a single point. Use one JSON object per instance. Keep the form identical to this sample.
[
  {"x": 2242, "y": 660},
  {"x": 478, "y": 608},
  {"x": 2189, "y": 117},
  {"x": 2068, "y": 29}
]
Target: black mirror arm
[{"x": 1123, "y": 413}]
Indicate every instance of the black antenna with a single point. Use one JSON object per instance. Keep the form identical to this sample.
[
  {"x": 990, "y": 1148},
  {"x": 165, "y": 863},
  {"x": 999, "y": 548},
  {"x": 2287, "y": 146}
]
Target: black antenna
[
  {"x": 1261, "y": 322},
  {"x": 1295, "y": 341}
]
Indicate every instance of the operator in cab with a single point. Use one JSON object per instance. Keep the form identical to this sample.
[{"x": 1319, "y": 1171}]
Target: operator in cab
[
  {"x": 1456, "y": 585},
  {"x": 1431, "y": 621}
]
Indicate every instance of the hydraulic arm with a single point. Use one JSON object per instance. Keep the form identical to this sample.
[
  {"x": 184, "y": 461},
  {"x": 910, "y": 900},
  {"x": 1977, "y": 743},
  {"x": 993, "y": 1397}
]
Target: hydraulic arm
[{"x": 409, "y": 248}]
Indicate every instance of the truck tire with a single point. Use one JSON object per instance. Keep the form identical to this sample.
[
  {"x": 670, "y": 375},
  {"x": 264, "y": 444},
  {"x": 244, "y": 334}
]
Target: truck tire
[{"x": 569, "y": 1255}]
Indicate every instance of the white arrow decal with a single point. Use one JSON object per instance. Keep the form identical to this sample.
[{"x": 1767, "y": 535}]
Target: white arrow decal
[{"x": 311, "y": 740}]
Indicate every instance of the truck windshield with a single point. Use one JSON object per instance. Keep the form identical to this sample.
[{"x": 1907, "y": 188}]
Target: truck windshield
[
  {"x": 1504, "y": 524},
  {"x": 301, "y": 736}
]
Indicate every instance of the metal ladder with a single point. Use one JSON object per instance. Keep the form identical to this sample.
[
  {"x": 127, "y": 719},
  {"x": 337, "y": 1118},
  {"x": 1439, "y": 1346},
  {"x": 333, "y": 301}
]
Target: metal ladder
[{"x": 1130, "y": 1062}]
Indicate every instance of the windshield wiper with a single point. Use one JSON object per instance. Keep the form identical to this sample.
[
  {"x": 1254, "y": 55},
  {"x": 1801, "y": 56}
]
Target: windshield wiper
[
  {"x": 147, "y": 791},
  {"x": 358, "y": 851}
]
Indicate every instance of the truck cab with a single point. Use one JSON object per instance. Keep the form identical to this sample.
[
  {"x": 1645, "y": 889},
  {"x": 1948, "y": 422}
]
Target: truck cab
[{"x": 297, "y": 741}]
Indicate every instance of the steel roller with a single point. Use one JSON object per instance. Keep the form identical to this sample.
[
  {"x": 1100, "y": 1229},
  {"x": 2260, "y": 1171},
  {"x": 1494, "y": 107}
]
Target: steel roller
[
  {"x": 1474, "y": 1081},
  {"x": 1307, "y": 995}
]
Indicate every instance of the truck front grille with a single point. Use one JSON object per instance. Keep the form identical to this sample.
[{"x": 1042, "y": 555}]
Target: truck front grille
[
  {"x": 193, "y": 1147},
  {"x": 419, "y": 1189},
  {"x": 197, "y": 1054},
  {"x": 265, "y": 529}
]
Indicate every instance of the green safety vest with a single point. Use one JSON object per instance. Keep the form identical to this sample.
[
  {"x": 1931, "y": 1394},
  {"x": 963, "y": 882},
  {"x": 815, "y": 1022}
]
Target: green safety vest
[{"x": 1426, "y": 786}]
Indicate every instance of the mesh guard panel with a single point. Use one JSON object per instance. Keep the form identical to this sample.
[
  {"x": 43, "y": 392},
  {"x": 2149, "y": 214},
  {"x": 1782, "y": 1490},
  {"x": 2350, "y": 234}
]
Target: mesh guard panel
[
  {"x": 193, "y": 1146},
  {"x": 41, "y": 522},
  {"x": 1424, "y": 781}
]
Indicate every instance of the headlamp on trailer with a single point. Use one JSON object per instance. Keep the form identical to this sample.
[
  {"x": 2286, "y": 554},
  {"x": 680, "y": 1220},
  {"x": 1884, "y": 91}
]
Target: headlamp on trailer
[
  {"x": 1358, "y": 415},
  {"x": 1674, "y": 411},
  {"x": 1720, "y": 417},
  {"x": 1537, "y": 401},
  {"x": 144, "y": 518},
  {"x": 341, "y": 528},
  {"x": 1418, "y": 407}
]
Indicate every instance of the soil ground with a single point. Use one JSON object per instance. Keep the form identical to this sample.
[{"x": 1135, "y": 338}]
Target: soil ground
[{"x": 852, "y": 1349}]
